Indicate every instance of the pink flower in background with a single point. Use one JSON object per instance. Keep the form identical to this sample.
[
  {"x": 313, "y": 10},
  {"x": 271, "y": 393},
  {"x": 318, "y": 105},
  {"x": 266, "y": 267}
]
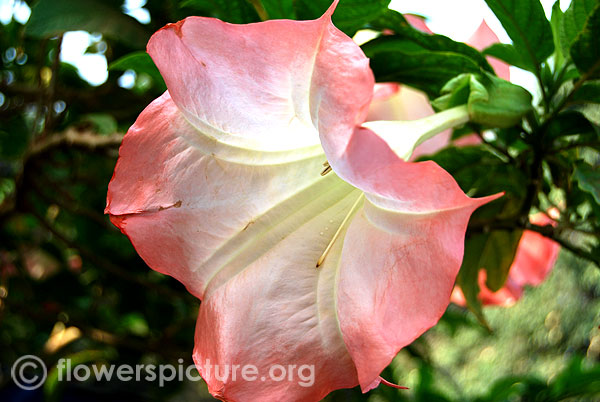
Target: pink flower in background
[
  {"x": 219, "y": 185},
  {"x": 533, "y": 262},
  {"x": 536, "y": 254}
]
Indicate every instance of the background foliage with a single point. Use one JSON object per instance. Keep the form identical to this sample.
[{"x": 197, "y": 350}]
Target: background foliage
[{"x": 62, "y": 264}]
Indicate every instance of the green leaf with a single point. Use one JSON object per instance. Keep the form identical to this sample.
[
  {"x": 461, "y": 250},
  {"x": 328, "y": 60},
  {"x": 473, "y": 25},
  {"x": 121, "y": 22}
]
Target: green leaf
[
  {"x": 279, "y": 9},
  {"x": 527, "y": 26},
  {"x": 576, "y": 380},
  {"x": 455, "y": 160},
  {"x": 421, "y": 60},
  {"x": 497, "y": 256},
  {"x": 567, "y": 124},
  {"x": 140, "y": 62},
  {"x": 589, "y": 92},
  {"x": 135, "y": 323},
  {"x": 556, "y": 22},
  {"x": 53, "y": 385},
  {"x": 14, "y": 138},
  {"x": 54, "y": 17},
  {"x": 493, "y": 252},
  {"x": 585, "y": 50},
  {"x": 516, "y": 388},
  {"x": 402, "y": 29},
  {"x": 401, "y": 60},
  {"x": 468, "y": 276},
  {"x": 455, "y": 93},
  {"x": 590, "y": 111},
  {"x": 510, "y": 55},
  {"x": 588, "y": 178},
  {"x": 573, "y": 21}
]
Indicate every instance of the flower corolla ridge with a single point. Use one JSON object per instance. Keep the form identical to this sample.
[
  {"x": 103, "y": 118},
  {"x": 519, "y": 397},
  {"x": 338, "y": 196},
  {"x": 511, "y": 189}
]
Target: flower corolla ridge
[{"x": 220, "y": 184}]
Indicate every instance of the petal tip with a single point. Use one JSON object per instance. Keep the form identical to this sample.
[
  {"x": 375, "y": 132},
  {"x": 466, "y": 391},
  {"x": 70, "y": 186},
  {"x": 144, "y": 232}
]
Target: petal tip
[
  {"x": 380, "y": 380},
  {"x": 331, "y": 9},
  {"x": 484, "y": 200},
  {"x": 175, "y": 26},
  {"x": 391, "y": 384},
  {"x": 118, "y": 221}
]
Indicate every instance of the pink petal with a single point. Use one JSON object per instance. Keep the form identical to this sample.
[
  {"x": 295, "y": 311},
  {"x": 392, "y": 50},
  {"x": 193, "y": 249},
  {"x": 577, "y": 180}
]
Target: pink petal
[
  {"x": 180, "y": 201},
  {"x": 404, "y": 103},
  {"x": 417, "y": 22},
  {"x": 278, "y": 311},
  {"x": 466, "y": 140},
  {"x": 264, "y": 86},
  {"x": 383, "y": 92},
  {"x": 506, "y": 296},
  {"x": 244, "y": 238},
  {"x": 410, "y": 231},
  {"x": 483, "y": 38},
  {"x": 535, "y": 256}
]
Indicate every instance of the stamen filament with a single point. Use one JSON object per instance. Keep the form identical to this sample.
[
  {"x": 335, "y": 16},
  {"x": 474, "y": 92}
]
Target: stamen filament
[{"x": 337, "y": 233}]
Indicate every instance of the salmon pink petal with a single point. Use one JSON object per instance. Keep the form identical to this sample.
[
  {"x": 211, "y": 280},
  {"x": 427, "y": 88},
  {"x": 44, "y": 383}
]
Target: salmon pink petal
[
  {"x": 183, "y": 198},
  {"x": 269, "y": 86},
  {"x": 483, "y": 38},
  {"x": 410, "y": 230},
  {"x": 383, "y": 92},
  {"x": 535, "y": 256},
  {"x": 506, "y": 296},
  {"x": 278, "y": 310},
  {"x": 245, "y": 237},
  {"x": 393, "y": 102},
  {"x": 386, "y": 296},
  {"x": 467, "y": 140},
  {"x": 418, "y": 23}
]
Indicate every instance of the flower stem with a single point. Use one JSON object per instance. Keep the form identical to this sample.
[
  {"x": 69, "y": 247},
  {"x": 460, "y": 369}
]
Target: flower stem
[
  {"x": 435, "y": 124},
  {"x": 404, "y": 136}
]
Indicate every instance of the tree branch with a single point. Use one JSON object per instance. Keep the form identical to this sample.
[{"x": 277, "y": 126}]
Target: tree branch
[
  {"x": 549, "y": 231},
  {"x": 73, "y": 137}
]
